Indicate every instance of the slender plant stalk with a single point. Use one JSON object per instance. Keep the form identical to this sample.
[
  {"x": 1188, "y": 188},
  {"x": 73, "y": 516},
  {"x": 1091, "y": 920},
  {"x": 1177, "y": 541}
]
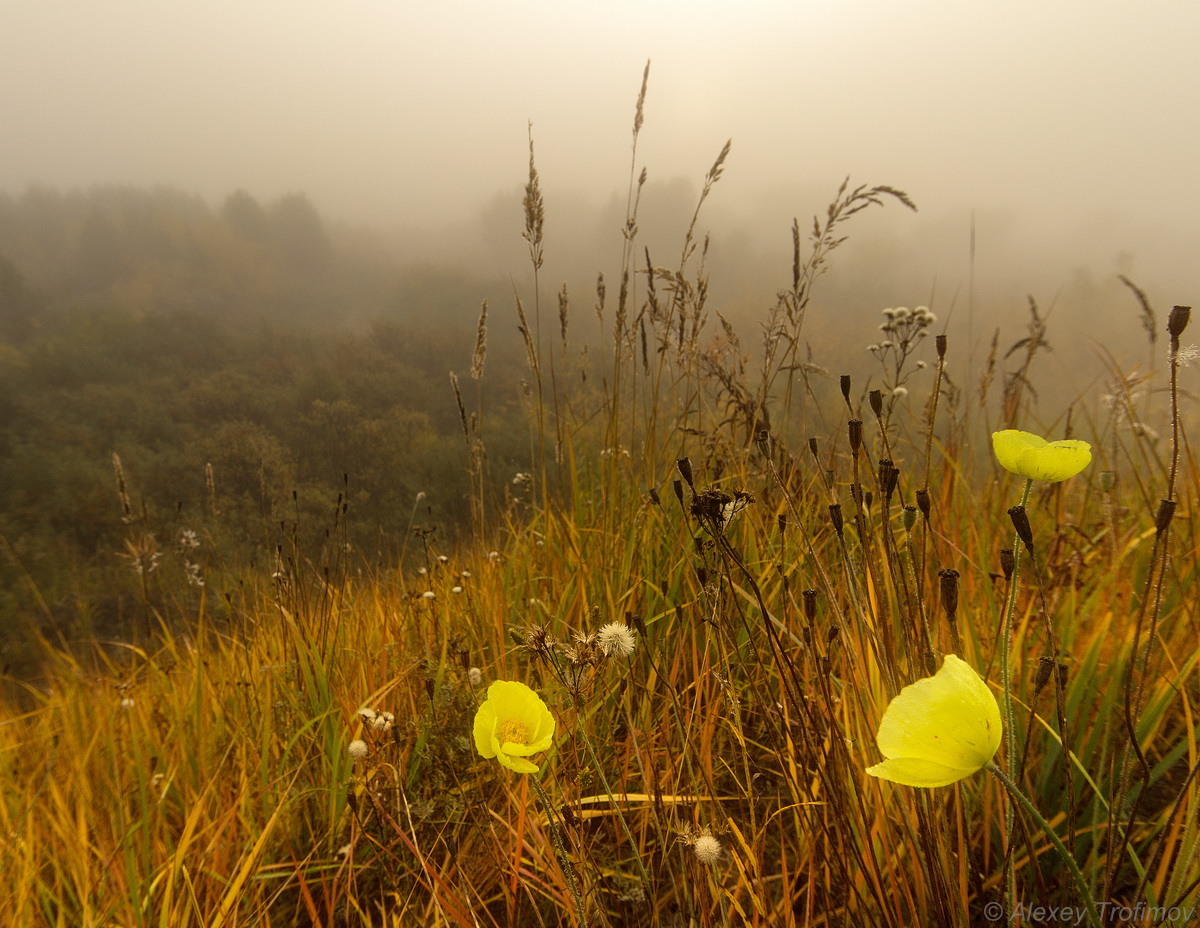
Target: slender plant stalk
[
  {"x": 560, "y": 850},
  {"x": 1081, "y": 884}
]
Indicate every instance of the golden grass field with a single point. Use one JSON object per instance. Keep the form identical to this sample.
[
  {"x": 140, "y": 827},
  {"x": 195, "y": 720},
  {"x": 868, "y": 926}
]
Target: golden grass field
[{"x": 789, "y": 548}]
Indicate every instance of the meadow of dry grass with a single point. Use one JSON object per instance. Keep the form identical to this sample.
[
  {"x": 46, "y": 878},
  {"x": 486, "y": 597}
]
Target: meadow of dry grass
[{"x": 790, "y": 549}]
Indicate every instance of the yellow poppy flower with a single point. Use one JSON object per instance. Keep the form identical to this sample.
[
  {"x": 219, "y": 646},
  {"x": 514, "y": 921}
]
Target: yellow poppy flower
[
  {"x": 512, "y": 724},
  {"x": 939, "y": 729},
  {"x": 1032, "y": 456}
]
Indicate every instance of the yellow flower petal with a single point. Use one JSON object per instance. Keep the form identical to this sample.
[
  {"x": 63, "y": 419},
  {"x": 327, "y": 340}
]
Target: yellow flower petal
[
  {"x": 909, "y": 771},
  {"x": 513, "y": 711},
  {"x": 1032, "y": 456},
  {"x": 939, "y": 729}
]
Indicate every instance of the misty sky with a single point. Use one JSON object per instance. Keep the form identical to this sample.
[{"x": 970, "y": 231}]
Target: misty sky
[{"x": 1076, "y": 122}]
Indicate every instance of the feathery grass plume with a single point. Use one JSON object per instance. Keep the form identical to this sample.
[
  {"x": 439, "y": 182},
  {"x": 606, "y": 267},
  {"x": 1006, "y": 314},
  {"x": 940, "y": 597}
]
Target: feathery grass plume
[
  {"x": 1149, "y": 321},
  {"x": 480, "y": 352},
  {"x": 531, "y": 353},
  {"x": 562, "y": 315},
  {"x": 535, "y": 210},
  {"x": 462, "y": 410},
  {"x": 122, "y": 490},
  {"x": 1017, "y": 383}
]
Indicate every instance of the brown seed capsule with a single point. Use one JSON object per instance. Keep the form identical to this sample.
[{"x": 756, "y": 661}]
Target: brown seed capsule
[
  {"x": 1045, "y": 668},
  {"x": 1177, "y": 320},
  {"x": 810, "y": 604},
  {"x": 1166, "y": 512},
  {"x": 845, "y": 384},
  {"x": 835, "y": 516},
  {"x": 889, "y": 474},
  {"x": 949, "y": 587},
  {"x": 855, "y": 430},
  {"x": 875, "y": 397},
  {"x": 685, "y": 470},
  {"x": 939, "y": 342},
  {"x": 1020, "y": 521},
  {"x": 923, "y": 503},
  {"x": 1007, "y": 562}
]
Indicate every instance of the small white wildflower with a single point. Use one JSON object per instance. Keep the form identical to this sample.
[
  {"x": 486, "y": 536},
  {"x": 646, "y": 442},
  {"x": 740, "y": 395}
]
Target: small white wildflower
[
  {"x": 889, "y": 313},
  {"x": 366, "y": 714},
  {"x": 420, "y": 496},
  {"x": 357, "y": 749},
  {"x": 920, "y": 365},
  {"x": 872, "y": 347},
  {"x": 442, "y": 558},
  {"x": 493, "y": 556},
  {"x": 344, "y": 850},
  {"x": 422, "y": 571},
  {"x": 466, "y": 575},
  {"x": 616, "y": 638},
  {"x": 428, "y": 594},
  {"x": 902, "y": 313},
  {"x": 475, "y": 676},
  {"x": 382, "y": 722},
  {"x": 128, "y": 702},
  {"x": 188, "y": 539},
  {"x": 900, "y": 392},
  {"x": 456, "y": 589},
  {"x": 707, "y": 849},
  {"x": 885, "y": 345}
]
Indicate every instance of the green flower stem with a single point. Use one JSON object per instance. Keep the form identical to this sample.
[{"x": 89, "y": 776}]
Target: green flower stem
[
  {"x": 1006, "y": 708},
  {"x": 587, "y": 742},
  {"x": 560, "y": 850},
  {"x": 1081, "y": 884},
  {"x": 616, "y": 805}
]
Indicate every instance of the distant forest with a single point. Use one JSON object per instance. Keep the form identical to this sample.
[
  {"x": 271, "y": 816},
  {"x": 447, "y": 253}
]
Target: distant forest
[{"x": 265, "y": 384}]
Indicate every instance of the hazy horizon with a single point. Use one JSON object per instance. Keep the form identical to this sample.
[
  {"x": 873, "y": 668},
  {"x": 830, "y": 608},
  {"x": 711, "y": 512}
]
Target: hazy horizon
[{"x": 1066, "y": 131}]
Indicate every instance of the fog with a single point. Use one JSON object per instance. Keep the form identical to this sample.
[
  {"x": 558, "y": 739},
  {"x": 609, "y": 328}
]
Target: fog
[{"x": 1066, "y": 133}]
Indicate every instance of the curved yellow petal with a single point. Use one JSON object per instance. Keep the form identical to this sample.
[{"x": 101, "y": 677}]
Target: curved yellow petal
[
  {"x": 485, "y": 731},
  {"x": 517, "y": 764},
  {"x": 910, "y": 771},
  {"x": 939, "y": 729},
  {"x": 1032, "y": 456}
]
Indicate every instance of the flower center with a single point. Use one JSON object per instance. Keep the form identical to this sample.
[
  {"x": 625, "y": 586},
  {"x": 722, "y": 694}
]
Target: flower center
[{"x": 512, "y": 730}]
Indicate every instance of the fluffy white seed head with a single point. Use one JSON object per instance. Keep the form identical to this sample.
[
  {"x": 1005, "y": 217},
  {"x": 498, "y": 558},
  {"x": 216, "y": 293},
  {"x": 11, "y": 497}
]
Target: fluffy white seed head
[
  {"x": 707, "y": 849},
  {"x": 616, "y": 638}
]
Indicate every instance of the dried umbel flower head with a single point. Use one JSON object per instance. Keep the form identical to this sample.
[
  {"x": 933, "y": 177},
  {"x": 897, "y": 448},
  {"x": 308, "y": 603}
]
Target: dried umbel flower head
[{"x": 616, "y": 638}]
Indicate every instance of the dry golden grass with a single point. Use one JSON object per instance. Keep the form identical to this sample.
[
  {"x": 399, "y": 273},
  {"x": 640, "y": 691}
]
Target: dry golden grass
[{"x": 782, "y": 591}]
